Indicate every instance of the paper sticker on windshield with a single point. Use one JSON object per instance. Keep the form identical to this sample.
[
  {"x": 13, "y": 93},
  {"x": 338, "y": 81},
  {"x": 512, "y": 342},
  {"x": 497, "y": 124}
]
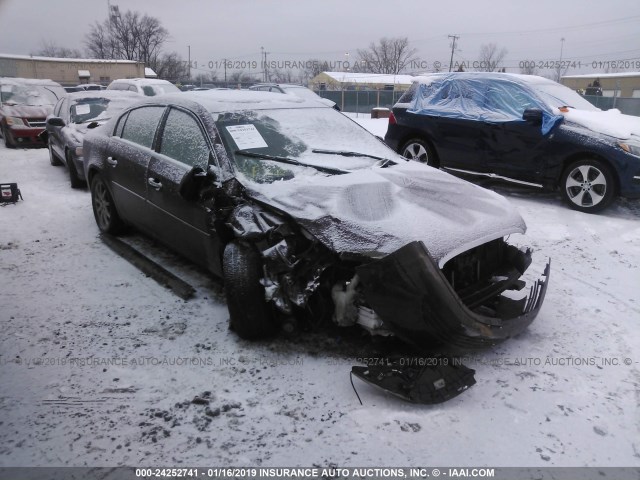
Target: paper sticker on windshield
[
  {"x": 83, "y": 109},
  {"x": 246, "y": 136}
]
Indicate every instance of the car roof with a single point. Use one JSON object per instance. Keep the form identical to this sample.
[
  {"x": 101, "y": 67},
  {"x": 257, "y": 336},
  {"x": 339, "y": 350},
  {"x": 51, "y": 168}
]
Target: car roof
[
  {"x": 103, "y": 94},
  {"x": 216, "y": 101},
  {"x": 28, "y": 81},
  {"x": 142, "y": 81}
]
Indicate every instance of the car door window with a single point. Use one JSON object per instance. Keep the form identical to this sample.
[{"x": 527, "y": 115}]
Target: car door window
[
  {"x": 141, "y": 125},
  {"x": 509, "y": 99},
  {"x": 183, "y": 139},
  {"x": 120, "y": 126}
]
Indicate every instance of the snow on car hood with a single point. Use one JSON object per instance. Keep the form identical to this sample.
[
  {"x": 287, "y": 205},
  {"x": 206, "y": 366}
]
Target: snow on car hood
[
  {"x": 26, "y": 111},
  {"x": 609, "y": 122},
  {"x": 376, "y": 211}
]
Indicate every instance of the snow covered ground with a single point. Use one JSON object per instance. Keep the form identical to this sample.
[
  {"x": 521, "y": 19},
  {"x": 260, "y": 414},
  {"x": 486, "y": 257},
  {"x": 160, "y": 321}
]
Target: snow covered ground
[{"x": 99, "y": 364}]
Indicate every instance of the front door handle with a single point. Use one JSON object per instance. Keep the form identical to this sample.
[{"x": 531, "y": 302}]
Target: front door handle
[
  {"x": 112, "y": 161},
  {"x": 154, "y": 183}
]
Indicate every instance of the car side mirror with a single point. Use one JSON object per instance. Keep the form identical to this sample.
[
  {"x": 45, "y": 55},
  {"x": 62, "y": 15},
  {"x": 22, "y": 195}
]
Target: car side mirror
[
  {"x": 191, "y": 183},
  {"x": 55, "y": 122},
  {"x": 532, "y": 115}
]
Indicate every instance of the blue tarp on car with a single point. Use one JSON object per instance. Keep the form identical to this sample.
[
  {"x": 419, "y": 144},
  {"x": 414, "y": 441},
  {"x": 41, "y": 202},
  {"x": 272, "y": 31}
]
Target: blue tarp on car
[{"x": 495, "y": 100}]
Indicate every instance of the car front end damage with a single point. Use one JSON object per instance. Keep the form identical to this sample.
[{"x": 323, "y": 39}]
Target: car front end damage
[{"x": 477, "y": 299}]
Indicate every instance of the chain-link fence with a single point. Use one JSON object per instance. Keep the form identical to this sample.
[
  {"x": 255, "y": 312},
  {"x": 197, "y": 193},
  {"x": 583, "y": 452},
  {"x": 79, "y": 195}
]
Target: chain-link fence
[
  {"x": 628, "y": 105},
  {"x": 361, "y": 101}
]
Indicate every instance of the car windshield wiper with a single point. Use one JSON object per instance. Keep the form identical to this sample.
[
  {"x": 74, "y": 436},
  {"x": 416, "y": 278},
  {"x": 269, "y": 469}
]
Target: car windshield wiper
[
  {"x": 384, "y": 161},
  {"x": 291, "y": 161}
]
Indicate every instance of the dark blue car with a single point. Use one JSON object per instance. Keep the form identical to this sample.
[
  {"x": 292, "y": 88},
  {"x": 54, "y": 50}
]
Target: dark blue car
[{"x": 519, "y": 128}]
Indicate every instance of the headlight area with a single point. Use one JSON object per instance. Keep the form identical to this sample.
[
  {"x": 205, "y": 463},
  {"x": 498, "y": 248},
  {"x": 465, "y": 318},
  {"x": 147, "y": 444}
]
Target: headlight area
[
  {"x": 477, "y": 300},
  {"x": 468, "y": 305},
  {"x": 16, "y": 122},
  {"x": 632, "y": 148}
]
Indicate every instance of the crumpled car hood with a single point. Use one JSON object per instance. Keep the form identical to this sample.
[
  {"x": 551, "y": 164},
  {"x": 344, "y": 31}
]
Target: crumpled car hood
[
  {"x": 376, "y": 211},
  {"x": 26, "y": 111}
]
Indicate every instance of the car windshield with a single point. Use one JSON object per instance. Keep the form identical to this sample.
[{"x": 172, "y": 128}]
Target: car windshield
[
  {"x": 556, "y": 95},
  {"x": 34, "y": 95},
  {"x": 96, "y": 109},
  {"x": 271, "y": 145},
  {"x": 151, "y": 90}
]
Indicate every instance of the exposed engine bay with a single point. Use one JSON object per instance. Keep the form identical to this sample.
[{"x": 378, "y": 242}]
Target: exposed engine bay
[{"x": 466, "y": 305}]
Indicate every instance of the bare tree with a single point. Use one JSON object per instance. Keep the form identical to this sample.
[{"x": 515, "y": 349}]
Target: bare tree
[
  {"x": 51, "y": 49},
  {"x": 529, "y": 68},
  {"x": 209, "y": 77},
  {"x": 312, "y": 68},
  {"x": 131, "y": 36},
  {"x": 170, "y": 66},
  {"x": 240, "y": 77},
  {"x": 281, "y": 76},
  {"x": 99, "y": 43},
  {"x": 491, "y": 57},
  {"x": 390, "y": 55}
]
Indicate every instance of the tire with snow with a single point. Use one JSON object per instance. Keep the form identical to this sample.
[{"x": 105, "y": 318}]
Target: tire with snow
[
  {"x": 588, "y": 185},
  {"x": 249, "y": 314},
  {"x": 76, "y": 182},
  {"x": 420, "y": 151},
  {"x": 104, "y": 210},
  {"x": 53, "y": 160},
  {"x": 5, "y": 135}
]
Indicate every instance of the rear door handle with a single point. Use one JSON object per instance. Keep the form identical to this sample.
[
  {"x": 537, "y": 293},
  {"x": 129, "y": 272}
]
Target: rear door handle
[
  {"x": 112, "y": 161},
  {"x": 155, "y": 184}
]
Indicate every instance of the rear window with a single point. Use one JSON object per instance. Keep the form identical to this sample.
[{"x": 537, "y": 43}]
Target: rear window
[{"x": 409, "y": 95}]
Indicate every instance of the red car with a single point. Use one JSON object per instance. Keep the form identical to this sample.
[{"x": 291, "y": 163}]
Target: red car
[{"x": 24, "y": 106}]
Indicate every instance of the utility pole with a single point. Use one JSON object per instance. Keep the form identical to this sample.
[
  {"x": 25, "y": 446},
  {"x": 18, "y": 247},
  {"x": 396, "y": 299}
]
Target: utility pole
[
  {"x": 560, "y": 65},
  {"x": 225, "y": 72},
  {"x": 266, "y": 70},
  {"x": 189, "y": 47},
  {"x": 453, "y": 48}
]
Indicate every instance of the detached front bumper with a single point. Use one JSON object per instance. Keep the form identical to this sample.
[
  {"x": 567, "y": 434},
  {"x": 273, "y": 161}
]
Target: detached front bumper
[{"x": 413, "y": 298}]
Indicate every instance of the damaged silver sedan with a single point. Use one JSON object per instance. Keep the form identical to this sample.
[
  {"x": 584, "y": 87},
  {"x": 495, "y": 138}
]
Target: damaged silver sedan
[{"x": 309, "y": 218}]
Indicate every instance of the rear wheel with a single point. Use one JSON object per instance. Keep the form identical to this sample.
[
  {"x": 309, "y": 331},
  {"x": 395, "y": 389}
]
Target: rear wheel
[
  {"x": 104, "y": 210},
  {"x": 249, "y": 314},
  {"x": 588, "y": 185},
  {"x": 53, "y": 159},
  {"x": 76, "y": 182},
  {"x": 418, "y": 150}
]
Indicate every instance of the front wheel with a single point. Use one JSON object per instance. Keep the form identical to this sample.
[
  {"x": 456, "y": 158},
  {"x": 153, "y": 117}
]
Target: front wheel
[
  {"x": 588, "y": 186},
  {"x": 104, "y": 210},
  {"x": 420, "y": 151},
  {"x": 249, "y": 314}
]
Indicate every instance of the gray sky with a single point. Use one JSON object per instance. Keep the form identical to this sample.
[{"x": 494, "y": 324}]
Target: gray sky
[{"x": 297, "y": 30}]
